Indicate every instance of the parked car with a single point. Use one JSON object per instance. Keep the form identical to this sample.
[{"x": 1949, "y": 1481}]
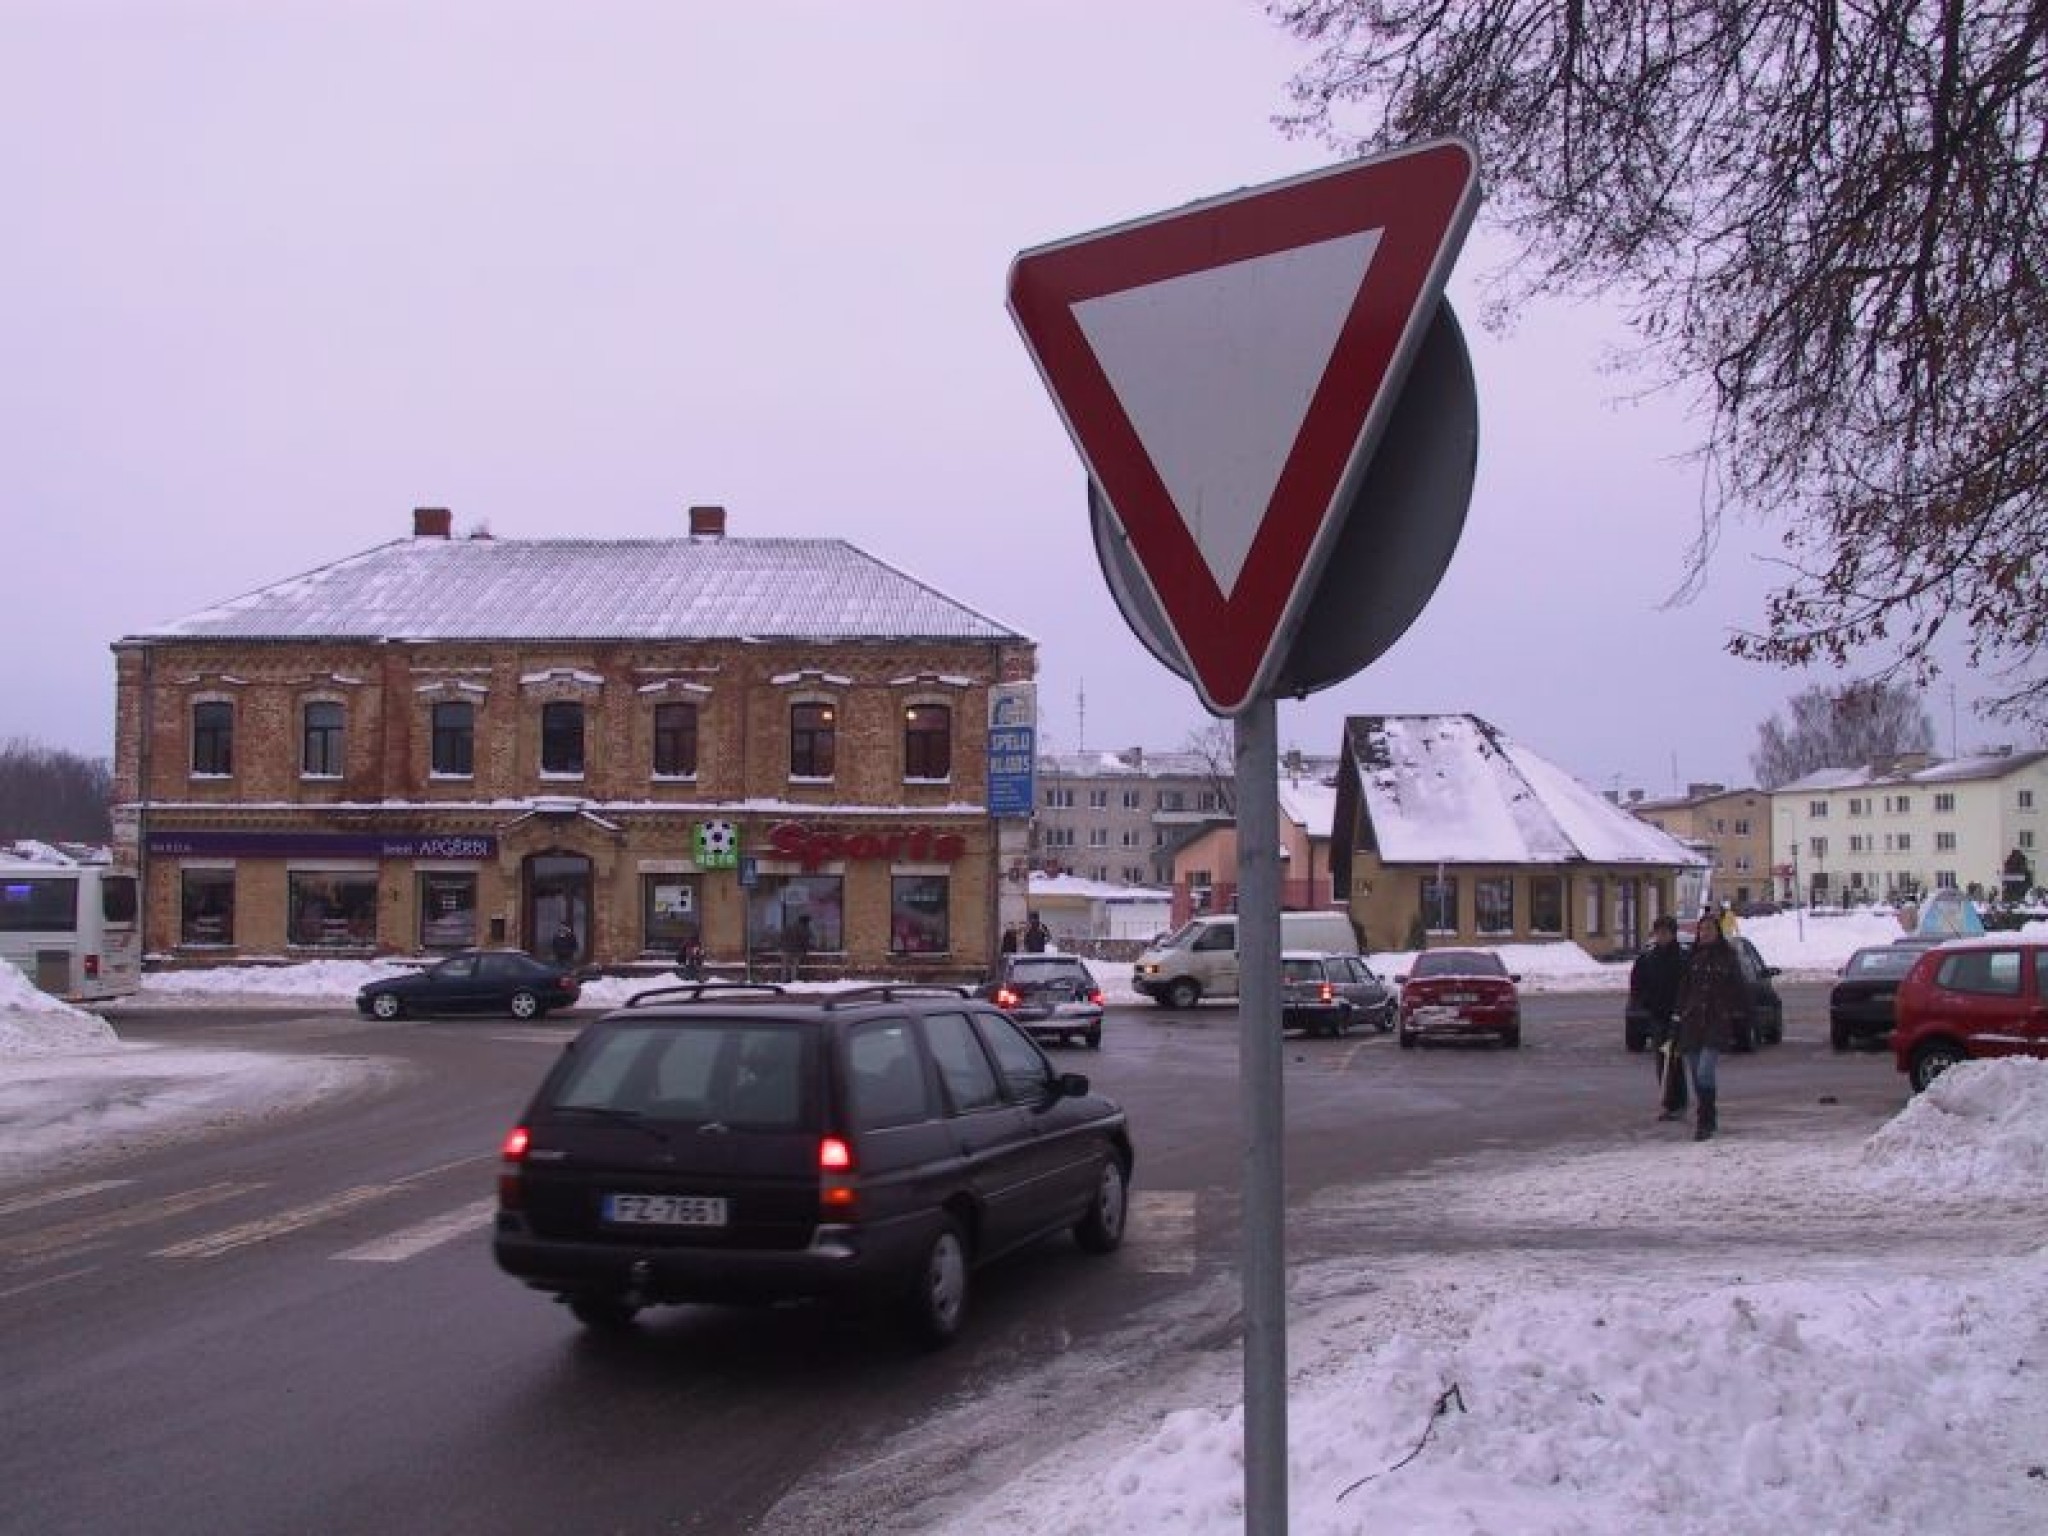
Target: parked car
[
  {"x": 733, "y": 1144},
  {"x": 1330, "y": 994},
  {"x": 475, "y": 981},
  {"x": 1055, "y": 997},
  {"x": 1460, "y": 994},
  {"x": 1860, "y": 1007},
  {"x": 1971, "y": 998},
  {"x": 1767, "y": 1025},
  {"x": 1199, "y": 959}
]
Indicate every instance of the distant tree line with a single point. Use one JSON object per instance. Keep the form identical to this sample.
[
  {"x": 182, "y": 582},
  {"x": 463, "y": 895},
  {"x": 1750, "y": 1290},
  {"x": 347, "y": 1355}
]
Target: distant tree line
[
  {"x": 53, "y": 795},
  {"x": 1862, "y": 725}
]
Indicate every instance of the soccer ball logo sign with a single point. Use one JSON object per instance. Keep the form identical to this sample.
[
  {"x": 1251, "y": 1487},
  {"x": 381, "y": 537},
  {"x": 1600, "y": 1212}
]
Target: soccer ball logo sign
[{"x": 718, "y": 844}]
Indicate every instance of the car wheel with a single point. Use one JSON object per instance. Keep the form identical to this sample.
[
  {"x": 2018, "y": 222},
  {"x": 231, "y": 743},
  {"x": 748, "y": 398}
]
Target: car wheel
[
  {"x": 1383, "y": 1021},
  {"x": 938, "y": 1296},
  {"x": 1407, "y": 1039},
  {"x": 386, "y": 1006},
  {"x": 1636, "y": 1042},
  {"x": 1512, "y": 1039},
  {"x": 607, "y": 1314},
  {"x": 1183, "y": 993},
  {"x": 1838, "y": 1035},
  {"x": 525, "y": 1005},
  {"x": 1095, "y": 1038},
  {"x": 1933, "y": 1059},
  {"x": 1102, "y": 1229}
]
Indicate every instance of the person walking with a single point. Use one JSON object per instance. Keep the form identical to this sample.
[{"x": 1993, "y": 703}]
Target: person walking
[
  {"x": 796, "y": 946},
  {"x": 1713, "y": 1003},
  {"x": 564, "y": 945},
  {"x": 1653, "y": 984},
  {"x": 1036, "y": 935},
  {"x": 690, "y": 958},
  {"x": 1009, "y": 946}
]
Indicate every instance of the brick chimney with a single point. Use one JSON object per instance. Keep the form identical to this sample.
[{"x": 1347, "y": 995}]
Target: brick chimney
[
  {"x": 432, "y": 522},
  {"x": 707, "y": 522}
]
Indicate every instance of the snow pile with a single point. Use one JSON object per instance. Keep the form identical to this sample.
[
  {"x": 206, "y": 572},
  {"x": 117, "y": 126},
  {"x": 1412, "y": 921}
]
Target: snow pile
[
  {"x": 1762, "y": 1335},
  {"x": 305, "y": 978},
  {"x": 33, "y": 1023}
]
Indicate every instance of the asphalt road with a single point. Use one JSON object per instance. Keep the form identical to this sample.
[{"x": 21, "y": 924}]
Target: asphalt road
[{"x": 296, "y": 1327}]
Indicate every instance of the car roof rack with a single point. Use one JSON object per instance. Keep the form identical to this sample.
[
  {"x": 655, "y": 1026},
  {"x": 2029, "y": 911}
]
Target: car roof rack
[
  {"x": 890, "y": 991},
  {"x": 702, "y": 991}
]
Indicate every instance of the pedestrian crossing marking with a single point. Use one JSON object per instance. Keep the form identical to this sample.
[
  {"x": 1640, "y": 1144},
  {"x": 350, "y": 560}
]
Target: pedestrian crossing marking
[
  {"x": 1161, "y": 1231},
  {"x": 261, "y": 1231},
  {"x": 30, "y": 1202},
  {"x": 86, "y": 1230},
  {"x": 417, "y": 1239}
]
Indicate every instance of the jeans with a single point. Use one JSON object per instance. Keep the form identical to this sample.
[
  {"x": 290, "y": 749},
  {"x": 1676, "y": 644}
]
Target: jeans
[{"x": 1702, "y": 1062}]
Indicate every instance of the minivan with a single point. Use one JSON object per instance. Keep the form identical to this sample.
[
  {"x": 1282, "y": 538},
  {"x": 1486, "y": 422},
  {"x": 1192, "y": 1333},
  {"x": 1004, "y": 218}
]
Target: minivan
[{"x": 1199, "y": 959}]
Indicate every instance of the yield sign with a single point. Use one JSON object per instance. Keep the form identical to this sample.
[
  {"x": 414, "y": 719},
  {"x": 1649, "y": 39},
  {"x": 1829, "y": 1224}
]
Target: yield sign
[{"x": 1225, "y": 371}]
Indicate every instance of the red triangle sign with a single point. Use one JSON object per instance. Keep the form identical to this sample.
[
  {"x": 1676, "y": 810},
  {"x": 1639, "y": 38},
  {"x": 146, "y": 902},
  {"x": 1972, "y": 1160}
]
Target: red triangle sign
[{"x": 1225, "y": 371}]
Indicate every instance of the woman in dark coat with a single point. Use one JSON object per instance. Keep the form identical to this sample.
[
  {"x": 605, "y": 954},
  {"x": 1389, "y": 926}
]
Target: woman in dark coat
[{"x": 1713, "y": 999}]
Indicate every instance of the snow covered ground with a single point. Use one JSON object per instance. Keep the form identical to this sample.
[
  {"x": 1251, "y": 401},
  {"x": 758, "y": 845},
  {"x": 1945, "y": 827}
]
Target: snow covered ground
[{"x": 1819, "y": 1331}]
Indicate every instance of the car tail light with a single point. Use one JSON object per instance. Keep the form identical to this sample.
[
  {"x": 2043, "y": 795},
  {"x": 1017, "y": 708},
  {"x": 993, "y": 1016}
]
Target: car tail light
[
  {"x": 510, "y": 1188},
  {"x": 838, "y": 1193},
  {"x": 1326, "y": 992},
  {"x": 1095, "y": 997},
  {"x": 92, "y": 967},
  {"x": 1007, "y": 998}
]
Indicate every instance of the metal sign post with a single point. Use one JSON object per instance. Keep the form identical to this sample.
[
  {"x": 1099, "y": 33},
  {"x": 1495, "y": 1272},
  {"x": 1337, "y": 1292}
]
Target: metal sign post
[{"x": 1258, "y": 1063}]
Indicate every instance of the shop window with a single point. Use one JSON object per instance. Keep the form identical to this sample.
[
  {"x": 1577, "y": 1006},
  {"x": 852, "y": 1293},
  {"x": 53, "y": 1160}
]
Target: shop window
[
  {"x": 813, "y": 741},
  {"x": 447, "y": 911},
  {"x": 1440, "y": 904},
  {"x": 675, "y": 741},
  {"x": 1546, "y": 904},
  {"x": 332, "y": 910},
  {"x": 928, "y": 742},
  {"x": 561, "y": 738},
  {"x": 320, "y": 755},
  {"x": 918, "y": 905},
  {"x": 1493, "y": 904},
  {"x": 206, "y": 906},
  {"x": 669, "y": 912},
  {"x": 213, "y": 738},
  {"x": 454, "y": 740},
  {"x": 778, "y": 900}
]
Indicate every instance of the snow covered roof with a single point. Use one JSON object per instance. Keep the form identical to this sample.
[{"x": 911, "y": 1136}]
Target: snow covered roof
[
  {"x": 1310, "y": 805},
  {"x": 1043, "y": 885},
  {"x": 1454, "y": 789},
  {"x": 594, "y": 589},
  {"x": 1977, "y": 765}
]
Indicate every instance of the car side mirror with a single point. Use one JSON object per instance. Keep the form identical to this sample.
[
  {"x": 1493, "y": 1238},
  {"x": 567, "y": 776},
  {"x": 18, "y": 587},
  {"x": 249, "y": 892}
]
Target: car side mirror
[
  {"x": 1400, "y": 980},
  {"x": 1772, "y": 970},
  {"x": 1514, "y": 975},
  {"x": 1070, "y": 1085}
]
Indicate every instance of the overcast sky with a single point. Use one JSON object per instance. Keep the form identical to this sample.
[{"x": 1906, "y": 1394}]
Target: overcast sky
[{"x": 276, "y": 274}]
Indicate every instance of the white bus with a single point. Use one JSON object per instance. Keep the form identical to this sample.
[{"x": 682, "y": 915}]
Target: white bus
[{"x": 71, "y": 928}]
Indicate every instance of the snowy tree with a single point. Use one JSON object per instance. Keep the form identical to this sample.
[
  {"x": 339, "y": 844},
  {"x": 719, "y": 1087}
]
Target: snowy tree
[
  {"x": 1840, "y": 728},
  {"x": 1826, "y": 223}
]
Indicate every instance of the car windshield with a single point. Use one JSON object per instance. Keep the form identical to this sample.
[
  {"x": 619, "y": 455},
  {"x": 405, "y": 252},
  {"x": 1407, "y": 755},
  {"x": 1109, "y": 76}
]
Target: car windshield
[
  {"x": 1457, "y": 962},
  {"x": 1301, "y": 970},
  {"x": 1881, "y": 962}
]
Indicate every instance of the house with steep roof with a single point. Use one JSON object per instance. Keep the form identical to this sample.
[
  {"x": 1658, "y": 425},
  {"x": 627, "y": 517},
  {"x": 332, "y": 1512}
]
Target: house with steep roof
[
  {"x": 443, "y": 742},
  {"x": 1448, "y": 831}
]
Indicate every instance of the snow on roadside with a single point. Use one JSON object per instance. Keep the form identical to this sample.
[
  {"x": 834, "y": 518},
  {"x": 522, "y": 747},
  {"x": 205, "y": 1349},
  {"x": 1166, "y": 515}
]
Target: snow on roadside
[{"x": 33, "y": 1023}]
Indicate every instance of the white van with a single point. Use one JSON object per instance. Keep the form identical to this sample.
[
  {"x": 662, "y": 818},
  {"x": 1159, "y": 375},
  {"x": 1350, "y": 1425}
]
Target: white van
[{"x": 1199, "y": 959}]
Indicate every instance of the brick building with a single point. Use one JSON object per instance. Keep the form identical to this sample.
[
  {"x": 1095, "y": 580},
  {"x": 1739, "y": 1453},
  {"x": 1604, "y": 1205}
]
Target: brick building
[{"x": 443, "y": 742}]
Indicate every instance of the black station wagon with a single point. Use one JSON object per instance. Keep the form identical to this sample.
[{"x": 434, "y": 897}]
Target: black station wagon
[{"x": 742, "y": 1144}]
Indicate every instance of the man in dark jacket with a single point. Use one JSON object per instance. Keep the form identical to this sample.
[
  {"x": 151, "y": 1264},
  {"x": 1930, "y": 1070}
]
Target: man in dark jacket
[{"x": 1653, "y": 990}]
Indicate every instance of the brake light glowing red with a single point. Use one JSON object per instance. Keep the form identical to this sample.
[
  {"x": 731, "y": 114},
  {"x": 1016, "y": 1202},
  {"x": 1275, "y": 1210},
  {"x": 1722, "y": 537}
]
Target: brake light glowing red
[
  {"x": 834, "y": 1155},
  {"x": 92, "y": 967},
  {"x": 511, "y": 1190},
  {"x": 1328, "y": 992},
  {"x": 1005, "y": 998},
  {"x": 838, "y": 1195},
  {"x": 1095, "y": 997},
  {"x": 517, "y": 1140}
]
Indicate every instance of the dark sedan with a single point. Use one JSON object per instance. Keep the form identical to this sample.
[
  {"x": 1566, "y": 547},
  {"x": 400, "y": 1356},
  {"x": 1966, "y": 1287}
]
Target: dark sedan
[
  {"x": 1054, "y": 997},
  {"x": 1861, "y": 1007},
  {"x": 476, "y": 981}
]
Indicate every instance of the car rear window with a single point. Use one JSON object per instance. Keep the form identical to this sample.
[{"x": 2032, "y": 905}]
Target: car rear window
[
  {"x": 1457, "y": 962},
  {"x": 1990, "y": 972},
  {"x": 742, "y": 1073},
  {"x": 1881, "y": 962}
]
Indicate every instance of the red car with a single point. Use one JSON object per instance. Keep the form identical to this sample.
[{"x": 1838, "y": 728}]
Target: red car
[
  {"x": 1460, "y": 994},
  {"x": 1972, "y": 998}
]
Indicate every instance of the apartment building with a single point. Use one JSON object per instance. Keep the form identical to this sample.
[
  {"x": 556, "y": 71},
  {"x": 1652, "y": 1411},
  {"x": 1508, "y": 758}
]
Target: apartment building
[
  {"x": 1897, "y": 830},
  {"x": 444, "y": 742},
  {"x": 1732, "y": 827}
]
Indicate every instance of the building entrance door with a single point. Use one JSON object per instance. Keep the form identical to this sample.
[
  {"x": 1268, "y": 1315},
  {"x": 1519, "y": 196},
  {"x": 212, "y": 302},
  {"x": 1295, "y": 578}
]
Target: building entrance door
[{"x": 557, "y": 895}]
